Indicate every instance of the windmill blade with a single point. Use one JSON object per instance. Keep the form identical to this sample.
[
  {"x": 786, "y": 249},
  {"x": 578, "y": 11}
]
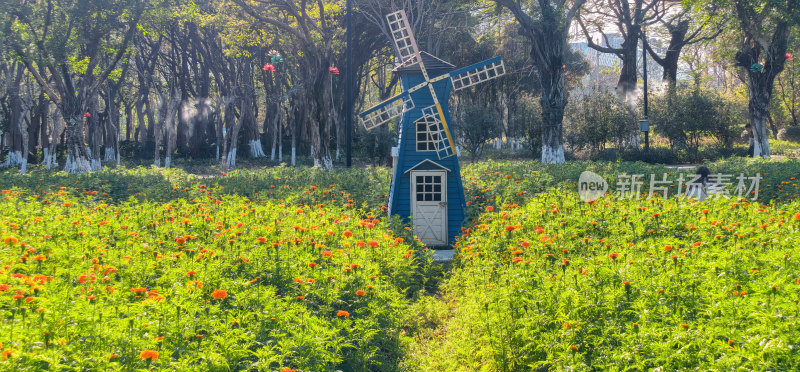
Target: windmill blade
[
  {"x": 438, "y": 131},
  {"x": 478, "y": 73},
  {"x": 403, "y": 37},
  {"x": 386, "y": 111}
]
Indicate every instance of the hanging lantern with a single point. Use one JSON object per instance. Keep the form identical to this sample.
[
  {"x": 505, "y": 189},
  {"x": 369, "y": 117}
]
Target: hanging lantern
[
  {"x": 756, "y": 67},
  {"x": 87, "y": 115},
  {"x": 333, "y": 70},
  {"x": 789, "y": 57},
  {"x": 276, "y": 59},
  {"x": 273, "y": 53},
  {"x": 268, "y": 67}
]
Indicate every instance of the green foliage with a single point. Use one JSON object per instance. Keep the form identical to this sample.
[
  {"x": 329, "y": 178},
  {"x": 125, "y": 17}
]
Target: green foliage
[
  {"x": 476, "y": 126},
  {"x": 90, "y": 239},
  {"x": 789, "y": 134},
  {"x": 291, "y": 259},
  {"x": 692, "y": 113},
  {"x": 552, "y": 281},
  {"x": 598, "y": 119}
]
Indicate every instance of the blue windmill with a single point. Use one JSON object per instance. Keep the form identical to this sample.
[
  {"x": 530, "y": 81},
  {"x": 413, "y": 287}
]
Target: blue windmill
[{"x": 426, "y": 179}]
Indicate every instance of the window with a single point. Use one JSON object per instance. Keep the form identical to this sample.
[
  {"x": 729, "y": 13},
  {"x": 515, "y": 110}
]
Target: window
[
  {"x": 427, "y": 133},
  {"x": 429, "y": 188}
]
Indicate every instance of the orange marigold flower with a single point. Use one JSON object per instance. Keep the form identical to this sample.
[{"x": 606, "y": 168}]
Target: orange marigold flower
[
  {"x": 373, "y": 243},
  {"x": 7, "y": 353},
  {"x": 797, "y": 216},
  {"x": 5, "y": 287},
  {"x": 510, "y": 228},
  {"x": 39, "y": 258},
  {"x": 312, "y": 264},
  {"x": 343, "y": 314},
  {"x": 149, "y": 354},
  {"x": 697, "y": 244},
  {"x": 327, "y": 254},
  {"x": 29, "y": 299},
  {"x": 288, "y": 370},
  {"x": 219, "y": 294},
  {"x": 360, "y": 293},
  {"x": 667, "y": 248},
  {"x": 261, "y": 239},
  {"x": 614, "y": 255},
  {"x": 347, "y": 234},
  {"x": 191, "y": 274},
  {"x": 10, "y": 240},
  {"x": 490, "y": 209},
  {"x": 138, "y": 290}
]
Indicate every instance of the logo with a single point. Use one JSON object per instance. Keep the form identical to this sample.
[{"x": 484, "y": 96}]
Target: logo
[{"x": 591, "y": 186}]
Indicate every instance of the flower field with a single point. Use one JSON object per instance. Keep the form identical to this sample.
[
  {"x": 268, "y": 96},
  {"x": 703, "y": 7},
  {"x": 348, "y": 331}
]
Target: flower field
[
  {"x": 298, "y": 269},
  {"x": 215, "y": 281}
]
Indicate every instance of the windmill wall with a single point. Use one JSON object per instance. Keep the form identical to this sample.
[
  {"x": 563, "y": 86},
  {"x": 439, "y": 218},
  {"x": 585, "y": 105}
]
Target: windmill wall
[{"x": 400, "y": 190}]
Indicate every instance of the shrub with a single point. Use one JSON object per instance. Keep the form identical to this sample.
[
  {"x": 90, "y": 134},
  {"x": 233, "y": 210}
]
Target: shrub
[
  {"x": 597, "y": 120},
  {"x": 688, "y": 115},
  {"x": 789, "y": 134},
  {"x": 477, "y": 125}
]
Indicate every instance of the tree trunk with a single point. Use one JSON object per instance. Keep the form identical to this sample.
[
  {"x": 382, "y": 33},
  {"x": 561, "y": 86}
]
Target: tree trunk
[
  {"x": 551, "y": 49},
  {"x": 17, "y": 117},
  {"x": 78, "y": 160},
  {"x": 58, "y": 129},
  {"x": 758, "y": 111},
  {"x": 628, "y": 77}
]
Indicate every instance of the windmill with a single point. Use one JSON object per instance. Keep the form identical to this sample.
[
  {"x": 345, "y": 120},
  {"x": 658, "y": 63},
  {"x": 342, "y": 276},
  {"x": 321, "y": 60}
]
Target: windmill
[{"x": 426, "y": 179}]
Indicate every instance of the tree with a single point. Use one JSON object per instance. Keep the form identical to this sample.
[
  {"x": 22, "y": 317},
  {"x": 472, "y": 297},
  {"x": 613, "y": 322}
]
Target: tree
[
  {"x": 545, "y": 23},
  {"x": 629, "y": 17},
  {"x": 684, "y": 29},
  {"x": 312, "y": 29},
  {"x": 765, "y": 26},
  {"x": 71, "y": 48},
  {"x": 476, "y": 126}
]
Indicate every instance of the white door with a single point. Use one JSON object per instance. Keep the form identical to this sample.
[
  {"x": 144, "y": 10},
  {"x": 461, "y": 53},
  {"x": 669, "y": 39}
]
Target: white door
[{"x": 429, "y": 206}]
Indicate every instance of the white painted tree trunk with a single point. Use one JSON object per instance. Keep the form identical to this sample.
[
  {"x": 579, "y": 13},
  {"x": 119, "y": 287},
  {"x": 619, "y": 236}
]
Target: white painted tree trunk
[
  {"x": 552, "y": 155},
  {"x": 111, "y": 155},
  {"x": 231, "y": 158},
  {"x": 294, "y": 156},
  {"x": 81, "y": 165},
  {"x": 326, "y": 163},
  {"x": 15, "y": 159},
  {"x": 256, "y": 149},
  {"x": 97, "y": 165}
]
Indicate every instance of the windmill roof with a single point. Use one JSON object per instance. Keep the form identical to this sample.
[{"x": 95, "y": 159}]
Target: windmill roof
[{"x": 431, "y": 62}]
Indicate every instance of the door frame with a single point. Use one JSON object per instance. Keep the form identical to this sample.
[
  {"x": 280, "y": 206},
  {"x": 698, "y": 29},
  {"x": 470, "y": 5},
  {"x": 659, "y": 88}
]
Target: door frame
[{"x": 442, "y": 203}]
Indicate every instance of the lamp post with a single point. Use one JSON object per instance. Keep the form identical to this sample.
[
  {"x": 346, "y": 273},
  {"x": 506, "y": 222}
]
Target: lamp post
[
  {"x": 348, "y": 90},
  {"x": 644, "y": 124}
]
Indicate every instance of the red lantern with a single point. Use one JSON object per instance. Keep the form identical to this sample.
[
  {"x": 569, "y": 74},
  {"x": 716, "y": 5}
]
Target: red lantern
[
  {"x": 268, "y": 67},
  {"x": 87, "y": 115},
  {"x": 333, "y": 70},
  {"x": 789, "y": 57}
]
